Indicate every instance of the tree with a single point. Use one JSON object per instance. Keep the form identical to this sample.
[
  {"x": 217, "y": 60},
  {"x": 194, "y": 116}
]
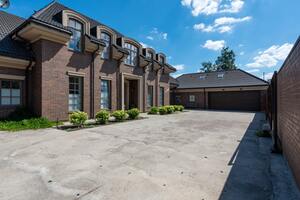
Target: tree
[{"x": 226, "y": 61}]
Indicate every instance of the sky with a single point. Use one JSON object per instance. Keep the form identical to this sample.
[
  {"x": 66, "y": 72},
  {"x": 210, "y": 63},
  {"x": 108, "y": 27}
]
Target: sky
[{"x": 189, "y": 32}]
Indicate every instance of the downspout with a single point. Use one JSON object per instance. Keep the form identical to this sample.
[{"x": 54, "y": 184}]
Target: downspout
[
  {"x": 92, "y": 82},
  {"x": 27, "y": 68}
]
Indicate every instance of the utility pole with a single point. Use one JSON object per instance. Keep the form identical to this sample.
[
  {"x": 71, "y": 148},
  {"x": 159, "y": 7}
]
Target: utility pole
[{"x": 264, "y": 75}]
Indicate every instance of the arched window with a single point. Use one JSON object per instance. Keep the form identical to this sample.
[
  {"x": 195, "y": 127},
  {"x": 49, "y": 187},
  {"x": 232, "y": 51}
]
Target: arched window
[
  {"x": 107, "y": 40},
  {"x": 133, "y": 53},
  {"x": 77, "y": 31}
]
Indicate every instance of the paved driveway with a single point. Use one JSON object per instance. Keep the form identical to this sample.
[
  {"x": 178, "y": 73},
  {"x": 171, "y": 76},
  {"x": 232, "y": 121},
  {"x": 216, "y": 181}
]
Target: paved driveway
[{"x": 186, "y": 156}]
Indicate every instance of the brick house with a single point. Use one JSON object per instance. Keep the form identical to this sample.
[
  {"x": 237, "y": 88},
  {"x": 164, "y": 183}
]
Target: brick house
[
  {"x": 59, "y": 60},
  {"x": 223, "y": 90}
]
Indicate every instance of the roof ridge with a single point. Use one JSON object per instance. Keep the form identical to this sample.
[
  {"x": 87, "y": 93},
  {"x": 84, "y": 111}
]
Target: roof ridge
[
  {"x": 37, "y": 13},
  {"x": 253, "y": 76},
  {"x": 211, "y": 72}
]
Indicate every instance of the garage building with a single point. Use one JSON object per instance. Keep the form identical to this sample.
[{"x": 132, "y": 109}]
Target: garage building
[{"x": 222, "y": 90}]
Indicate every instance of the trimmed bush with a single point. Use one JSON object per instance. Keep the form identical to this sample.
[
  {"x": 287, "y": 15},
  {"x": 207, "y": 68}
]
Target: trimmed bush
[
  {"x": 102, "y": 117},
  {"x": 162, "y": 110},
  {"x": 119, "y": 115},
  {"x": 170, "y": 109},
  {"x": 78, "y": 118},
  {"x": 133, "y": 113},
  {"x": 179, "y": 108},
  {"x": 153, "y": 111}
]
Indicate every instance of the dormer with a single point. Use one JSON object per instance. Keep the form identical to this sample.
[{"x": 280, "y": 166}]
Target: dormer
[
  {"x": 134, "y": 48},
  {"x": 149, "y": 53},
  {"x": 68, "y": 14},
  {"x": 161, "y": 58},
  {"x": 108, "y": 36}
]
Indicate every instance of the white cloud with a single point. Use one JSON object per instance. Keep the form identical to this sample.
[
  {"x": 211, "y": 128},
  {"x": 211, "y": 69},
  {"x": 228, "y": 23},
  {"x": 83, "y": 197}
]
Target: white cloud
[
  {"x": 208, "y": 7},
  {"x": 242, "y": 53},
  {"x": 268, "y": 76},
  {"x": 252, "y": 70},
  {"x": 214, "y": 45},
  {"x": 222, "y": 24},
  {"x": 177, "y": 75},
  {"x": 155, "y": 34},
  {"x": 179, "y": 67},
  {"x": 271, "y": 56},
  {"x": 150, "y": 38},
  {"x": 165, "y": 36}
]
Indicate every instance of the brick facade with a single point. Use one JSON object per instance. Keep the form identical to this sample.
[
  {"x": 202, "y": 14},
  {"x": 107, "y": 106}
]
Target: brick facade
[{"x": 288, "y": 109}]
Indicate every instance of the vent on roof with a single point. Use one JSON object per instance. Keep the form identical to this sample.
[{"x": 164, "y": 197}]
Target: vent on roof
[
  {"x": 202, "y": 77},
  {"x": 220, "y": 75}
]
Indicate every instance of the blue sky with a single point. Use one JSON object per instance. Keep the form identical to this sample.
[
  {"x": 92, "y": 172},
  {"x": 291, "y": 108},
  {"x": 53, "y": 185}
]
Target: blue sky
[{"x": 189, "y": 32}]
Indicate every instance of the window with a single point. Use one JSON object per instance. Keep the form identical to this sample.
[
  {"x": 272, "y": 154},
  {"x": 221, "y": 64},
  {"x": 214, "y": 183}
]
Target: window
[
  {"x": 76, "y": 38},
  {"x": 161, "y": 96},
  {"x": 161, "y": 59},
  {"x": 105, "y": 94},
  {"x": 75, "y": 93},
  {"x": 192, "y": 98},
  {"x": 107, "y": 40},
  {"x": 150, "y": 96},
  {"x": 220, "y": 75},
  {"x": 178, "y": 99},
  {"x": 133, "y": 53},
  {"x": 10, "y": 92},
  {"x": 149, "y": 55}
]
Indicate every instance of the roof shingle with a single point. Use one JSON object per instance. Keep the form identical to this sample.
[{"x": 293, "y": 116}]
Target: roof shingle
[{"x": 231, "y": 78}]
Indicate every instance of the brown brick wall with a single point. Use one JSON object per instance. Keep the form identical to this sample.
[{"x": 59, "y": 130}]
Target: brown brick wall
[
  {"x": 183, "y": 98},
  {"x": 288, "y": 97},
  {"x": 50, "y": 81}
]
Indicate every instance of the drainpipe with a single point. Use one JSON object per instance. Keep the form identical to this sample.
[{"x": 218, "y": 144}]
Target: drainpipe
[
  {"x": 92, "y": 82},
  {"x": 28, "y": 44}
]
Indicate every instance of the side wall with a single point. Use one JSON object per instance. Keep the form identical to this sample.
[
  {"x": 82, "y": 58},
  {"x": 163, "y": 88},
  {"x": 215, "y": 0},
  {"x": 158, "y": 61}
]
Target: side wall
[{"x": 288, "y": 106}]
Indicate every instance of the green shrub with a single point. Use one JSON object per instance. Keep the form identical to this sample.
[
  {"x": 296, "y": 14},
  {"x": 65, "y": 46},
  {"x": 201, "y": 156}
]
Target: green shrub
[
  {"x": 180, "y": 108},
  {"x": 120, "y": 115},
  {"x": 25, "y": 124},
  {"x": 263, "y": 134},
  {"x": 170, "y": 109},
  {"x": 78, "y": 118},
  {"x": 133, "y": 113},
  {"x": 153, "y": 111},
  {"x": 162, "y": 110},
  {"x": 102, "y": 117}
]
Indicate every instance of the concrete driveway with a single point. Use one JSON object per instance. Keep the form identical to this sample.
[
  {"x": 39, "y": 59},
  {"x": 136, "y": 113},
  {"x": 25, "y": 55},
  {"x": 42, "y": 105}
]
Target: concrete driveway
[{"x": 188, "y": 156}]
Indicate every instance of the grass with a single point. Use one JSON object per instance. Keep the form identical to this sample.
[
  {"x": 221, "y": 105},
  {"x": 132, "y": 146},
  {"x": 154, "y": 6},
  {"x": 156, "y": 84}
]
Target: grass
[
  {"x": 26, "y": 124},
  {"x": 263, "y": 134}
]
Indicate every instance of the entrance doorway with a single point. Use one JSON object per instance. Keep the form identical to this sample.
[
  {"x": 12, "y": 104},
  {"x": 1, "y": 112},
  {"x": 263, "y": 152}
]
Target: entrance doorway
[{"x": 131, "y": 94}]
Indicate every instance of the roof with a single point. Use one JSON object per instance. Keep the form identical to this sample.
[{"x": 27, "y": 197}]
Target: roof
[
  {"x": 231, "y": 78},
  {"x": 8, "y": 46},
  {"x": 51, "y": 14},
  {"x": 174, "y": 81}
]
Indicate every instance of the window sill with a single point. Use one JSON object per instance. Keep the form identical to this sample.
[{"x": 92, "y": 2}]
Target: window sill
[{"x": 75, "y": 51}]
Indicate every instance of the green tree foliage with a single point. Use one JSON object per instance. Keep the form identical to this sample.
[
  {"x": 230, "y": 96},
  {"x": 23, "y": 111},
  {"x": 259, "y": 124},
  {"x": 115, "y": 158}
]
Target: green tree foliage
[{"x": 226, "y": 61}]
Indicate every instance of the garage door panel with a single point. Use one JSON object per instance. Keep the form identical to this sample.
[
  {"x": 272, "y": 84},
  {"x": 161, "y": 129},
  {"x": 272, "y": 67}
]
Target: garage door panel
[{"x": 242, "y": 101}]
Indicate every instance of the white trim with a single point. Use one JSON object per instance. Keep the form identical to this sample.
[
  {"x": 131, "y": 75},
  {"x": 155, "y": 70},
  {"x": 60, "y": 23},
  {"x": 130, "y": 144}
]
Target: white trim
[
  {"x": 12, "y": 77},
  {"x": 71, "y": 73}
]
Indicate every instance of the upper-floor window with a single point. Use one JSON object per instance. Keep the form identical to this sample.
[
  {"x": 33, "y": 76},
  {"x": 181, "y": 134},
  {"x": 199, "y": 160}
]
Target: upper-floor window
[
  {"x": 149, "y": 55},
  {"x": 77, "y": 31},
  {"x": 10, "y": 92},
  {"x": 133, "y": 53},
  {"x": 161, "y": 59},
  {"x": 107, "y": 40}
]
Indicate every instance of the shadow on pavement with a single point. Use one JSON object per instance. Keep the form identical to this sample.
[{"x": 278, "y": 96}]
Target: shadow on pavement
[{"x": 249, "y": 175}]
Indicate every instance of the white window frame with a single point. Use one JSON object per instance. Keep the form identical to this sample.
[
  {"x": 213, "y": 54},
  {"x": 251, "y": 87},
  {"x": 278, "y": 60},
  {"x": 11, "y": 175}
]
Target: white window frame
[
  {"x": 105, "y": 105},
  {"x": 75, "y": 100},
  {"x": 106, "y": 37},
  {"x": 192, "y": 98},
  {"x": 132, "y": 58}
]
